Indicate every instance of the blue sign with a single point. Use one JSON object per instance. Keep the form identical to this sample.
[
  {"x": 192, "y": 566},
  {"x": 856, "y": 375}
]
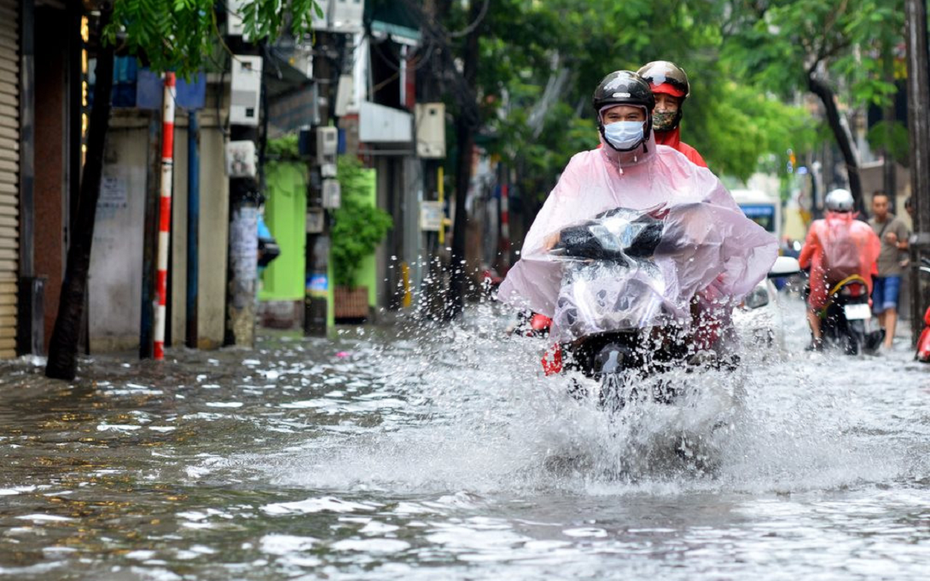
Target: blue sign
[
  {"x": 752, "y": 210},
  {"x": 188, "y": 95}
]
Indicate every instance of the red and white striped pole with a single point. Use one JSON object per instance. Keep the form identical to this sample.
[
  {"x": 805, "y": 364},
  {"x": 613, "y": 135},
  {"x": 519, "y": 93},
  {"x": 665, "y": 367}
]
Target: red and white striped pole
[{"x": 164, "y": 213}]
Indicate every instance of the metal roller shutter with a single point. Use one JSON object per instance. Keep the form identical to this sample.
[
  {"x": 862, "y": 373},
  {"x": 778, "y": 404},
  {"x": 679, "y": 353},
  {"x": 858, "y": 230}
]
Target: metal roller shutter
[{"x": 9, "y": 174}]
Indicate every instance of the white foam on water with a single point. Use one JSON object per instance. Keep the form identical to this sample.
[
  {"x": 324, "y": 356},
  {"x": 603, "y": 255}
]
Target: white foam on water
[{"x": 474, "y": 414}]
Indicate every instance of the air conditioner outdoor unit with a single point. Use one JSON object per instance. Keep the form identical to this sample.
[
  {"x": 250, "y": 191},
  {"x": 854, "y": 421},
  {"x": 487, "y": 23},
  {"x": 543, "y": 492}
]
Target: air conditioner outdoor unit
[
  {"x": 317, "y": 22},
  {"x": 346, "y": 15},
  {"x": 234, "y": 24}
]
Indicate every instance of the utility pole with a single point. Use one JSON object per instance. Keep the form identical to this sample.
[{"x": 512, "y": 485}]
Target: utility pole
[
  {"x": 244, "y": 193},
  {"x": 918, "y": 95},
  {"x": 318, "y": 283}
]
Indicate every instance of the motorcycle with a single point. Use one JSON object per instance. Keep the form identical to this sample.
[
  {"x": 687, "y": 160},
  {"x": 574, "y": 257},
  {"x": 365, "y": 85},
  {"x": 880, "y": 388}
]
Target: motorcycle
[
  {"x": 923, "y": 342},
  {"x": 615, "y": 323},
  {"x": 846, "y": 319}
]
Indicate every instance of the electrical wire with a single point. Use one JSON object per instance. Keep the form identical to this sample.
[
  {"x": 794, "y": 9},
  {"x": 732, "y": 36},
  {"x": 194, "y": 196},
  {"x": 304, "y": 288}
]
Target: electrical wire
[{"x": 468, "y": 29}]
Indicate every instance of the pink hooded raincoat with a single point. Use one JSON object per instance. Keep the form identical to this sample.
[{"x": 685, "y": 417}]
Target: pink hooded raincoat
[{"x": 720, "y": 254}]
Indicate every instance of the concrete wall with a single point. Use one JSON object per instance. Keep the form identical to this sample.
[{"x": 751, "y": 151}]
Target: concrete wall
[
  {"x": 214, "y": 229},
  {"x": 116, "y": 261},
  {"x": 115, "y": 285}
]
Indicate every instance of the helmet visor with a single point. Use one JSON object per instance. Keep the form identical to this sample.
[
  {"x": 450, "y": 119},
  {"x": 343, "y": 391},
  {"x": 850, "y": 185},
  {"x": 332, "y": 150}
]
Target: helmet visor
[{"x": 667, "y": 89}]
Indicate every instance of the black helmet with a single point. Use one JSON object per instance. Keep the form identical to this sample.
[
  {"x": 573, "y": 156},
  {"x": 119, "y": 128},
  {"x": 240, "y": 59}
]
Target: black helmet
[
  {"x": 623, "y": 88},
  {"x": 670, "y": 79},
  {"x": 658, "y": 73}
]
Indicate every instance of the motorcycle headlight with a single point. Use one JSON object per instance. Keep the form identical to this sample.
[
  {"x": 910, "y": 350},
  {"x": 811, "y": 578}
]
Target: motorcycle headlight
[{"x": 759, "y": 297}]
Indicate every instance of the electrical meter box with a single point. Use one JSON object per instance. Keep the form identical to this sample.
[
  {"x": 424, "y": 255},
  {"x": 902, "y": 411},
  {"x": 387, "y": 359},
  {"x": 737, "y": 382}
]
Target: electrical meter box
[
  {"x": 346, "y": 15},
  {"x": 246, "y": 90},
  {"x": 327, "y": 143},
  {"x": 240, "y": 159},
  {"x": 332, "y": 194},
  {"x": 431, "y": 130},
  {"x": 345, "y": 95}
]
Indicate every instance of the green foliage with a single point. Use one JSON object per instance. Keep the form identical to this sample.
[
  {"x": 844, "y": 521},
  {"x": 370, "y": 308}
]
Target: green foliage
[
  {"x": 778, "y": 47},
  {"x": 732, "y": 118},
  {"x": 283, "y": 148},
  {"x": 180, "y": 35},
  {"x": 893, "y": 139},
  {"x": 358, "y": 226}
]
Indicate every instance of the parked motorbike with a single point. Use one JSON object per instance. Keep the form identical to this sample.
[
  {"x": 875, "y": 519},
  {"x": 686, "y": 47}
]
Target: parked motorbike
[
  {"x": 923, "y": 342},
  {"x": 846, "y": 319}
]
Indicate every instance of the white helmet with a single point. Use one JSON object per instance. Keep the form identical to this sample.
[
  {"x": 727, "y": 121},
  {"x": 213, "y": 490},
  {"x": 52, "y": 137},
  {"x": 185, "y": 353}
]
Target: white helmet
[{"x": 839, "y": 200}]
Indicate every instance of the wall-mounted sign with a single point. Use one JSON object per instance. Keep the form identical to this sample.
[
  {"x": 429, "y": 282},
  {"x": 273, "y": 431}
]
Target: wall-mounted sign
[{"x": 431, "y": 216}]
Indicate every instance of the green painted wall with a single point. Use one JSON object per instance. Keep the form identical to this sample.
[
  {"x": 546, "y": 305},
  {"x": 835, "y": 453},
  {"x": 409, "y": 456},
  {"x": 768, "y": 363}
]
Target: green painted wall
[
  {"x": 367, "y": 274},
  {"x": 285, "y": 215}
]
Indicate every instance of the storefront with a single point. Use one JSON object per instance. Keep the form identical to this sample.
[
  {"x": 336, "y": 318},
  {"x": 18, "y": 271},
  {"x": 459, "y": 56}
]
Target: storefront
[{"x": 9, "y": 174}]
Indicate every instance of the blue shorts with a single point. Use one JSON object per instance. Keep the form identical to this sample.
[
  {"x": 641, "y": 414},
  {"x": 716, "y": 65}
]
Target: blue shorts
[{"x": 885, "y": 293}]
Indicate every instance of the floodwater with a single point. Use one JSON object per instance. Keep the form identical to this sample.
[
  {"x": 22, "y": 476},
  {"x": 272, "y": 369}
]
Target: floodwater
[{"x": 444, "y": 454}]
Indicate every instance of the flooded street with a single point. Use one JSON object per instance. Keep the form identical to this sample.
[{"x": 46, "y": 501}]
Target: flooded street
[{"x": 443, "y": 454}]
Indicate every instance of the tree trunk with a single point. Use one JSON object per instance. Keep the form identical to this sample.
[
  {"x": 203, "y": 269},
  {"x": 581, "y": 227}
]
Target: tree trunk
[
  {"x": 62, "y": 353},
  {"x": 843, "y": 137},
  {"x": 466, "y": 124}
]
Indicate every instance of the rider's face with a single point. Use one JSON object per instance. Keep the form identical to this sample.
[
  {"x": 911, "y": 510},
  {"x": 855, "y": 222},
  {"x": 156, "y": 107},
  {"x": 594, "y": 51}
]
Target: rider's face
[
  {"x": 623, "y": 113},
  {"x": 666, "y": 103}
]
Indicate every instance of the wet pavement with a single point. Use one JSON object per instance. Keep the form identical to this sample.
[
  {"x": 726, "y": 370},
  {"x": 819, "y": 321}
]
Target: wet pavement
[{"x": 415, "y": 453}]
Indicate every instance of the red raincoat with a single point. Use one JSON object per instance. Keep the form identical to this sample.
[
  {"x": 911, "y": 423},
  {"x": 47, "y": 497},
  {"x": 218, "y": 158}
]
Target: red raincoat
[
  {"x": 818, "y": 242},
  {"x": 673, "y": 139}
]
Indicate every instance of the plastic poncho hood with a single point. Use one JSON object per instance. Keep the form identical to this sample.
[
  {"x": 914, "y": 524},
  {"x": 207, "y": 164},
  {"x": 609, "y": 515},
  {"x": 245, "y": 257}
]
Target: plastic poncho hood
[{"x": 710, "y": 247}]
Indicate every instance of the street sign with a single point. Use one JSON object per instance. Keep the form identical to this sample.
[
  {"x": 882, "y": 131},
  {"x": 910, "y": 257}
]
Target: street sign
[{"x": 431, "y": 216}]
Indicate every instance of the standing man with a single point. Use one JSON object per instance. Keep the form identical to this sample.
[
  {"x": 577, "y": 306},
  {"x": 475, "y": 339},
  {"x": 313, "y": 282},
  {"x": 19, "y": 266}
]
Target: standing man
[
  {"x": 670, "y": 86},
  {"x": 893, "y": 235}
]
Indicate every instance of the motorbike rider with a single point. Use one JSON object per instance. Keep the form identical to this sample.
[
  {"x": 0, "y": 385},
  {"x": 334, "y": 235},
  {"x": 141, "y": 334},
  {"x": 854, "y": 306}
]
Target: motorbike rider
[
  {"x": 669, "y": 84},
  {"x": 830, "y": 260},
  {"x": 728, "y": 253},
  {"x": 670, "y": 87}
]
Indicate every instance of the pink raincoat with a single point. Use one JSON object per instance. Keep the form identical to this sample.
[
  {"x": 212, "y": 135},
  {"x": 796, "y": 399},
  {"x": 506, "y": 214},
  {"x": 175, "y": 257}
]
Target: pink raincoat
[{"x": 720, "y": 254}]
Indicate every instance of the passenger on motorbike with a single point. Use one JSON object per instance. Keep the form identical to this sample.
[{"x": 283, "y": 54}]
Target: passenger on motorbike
[
  {"x": 669, "y": 84},
  {"x": 837, "y": 247},
  {"x": 721, "y": 254}
]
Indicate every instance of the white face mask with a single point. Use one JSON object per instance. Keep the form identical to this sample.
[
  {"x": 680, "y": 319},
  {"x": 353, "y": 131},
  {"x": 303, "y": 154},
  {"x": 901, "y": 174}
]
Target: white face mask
[{"x": 624, "y": 135}]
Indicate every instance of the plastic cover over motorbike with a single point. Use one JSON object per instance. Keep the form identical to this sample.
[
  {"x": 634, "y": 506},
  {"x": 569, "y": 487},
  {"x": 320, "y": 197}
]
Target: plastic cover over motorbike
[{"x": 709, "y": 249}]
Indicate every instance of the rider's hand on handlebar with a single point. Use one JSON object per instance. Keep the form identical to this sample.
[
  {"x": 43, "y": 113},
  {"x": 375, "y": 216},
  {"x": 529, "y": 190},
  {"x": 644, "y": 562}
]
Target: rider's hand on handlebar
[{"x": 551, "y": 240}]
